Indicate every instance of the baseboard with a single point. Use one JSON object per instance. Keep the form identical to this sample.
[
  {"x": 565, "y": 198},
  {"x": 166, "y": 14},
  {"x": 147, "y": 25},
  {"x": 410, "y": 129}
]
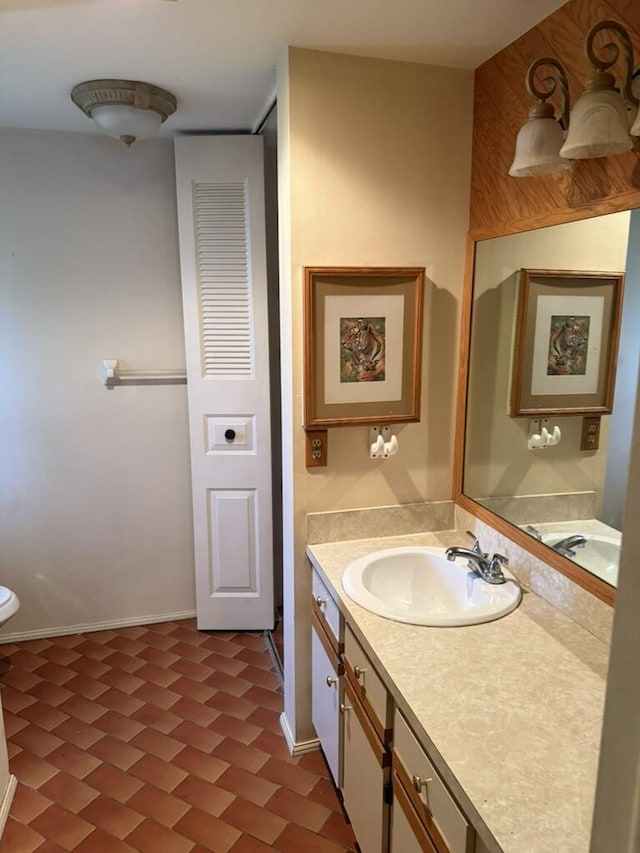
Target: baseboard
[
  {"x": 6, "y": 802},
  {"x": 88, "y": 627},
  {"x": 302, "y": 746}
]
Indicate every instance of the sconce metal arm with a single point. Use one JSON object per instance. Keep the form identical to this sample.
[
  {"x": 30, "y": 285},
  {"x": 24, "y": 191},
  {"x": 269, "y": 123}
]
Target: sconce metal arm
[
  {"x": 551, "y": 85},
  {"x": 612, "y": 51}
]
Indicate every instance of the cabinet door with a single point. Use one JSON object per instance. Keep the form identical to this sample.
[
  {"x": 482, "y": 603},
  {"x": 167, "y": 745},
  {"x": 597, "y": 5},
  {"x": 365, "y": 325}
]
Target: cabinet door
[
  {"x": 326, "y": 696},
  {"x": 407, "y": 834},
  {"x": 365, "y": 775}
]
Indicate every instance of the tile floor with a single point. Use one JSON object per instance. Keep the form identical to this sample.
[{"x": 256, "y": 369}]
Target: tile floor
[{"x": 159, "y": 739}]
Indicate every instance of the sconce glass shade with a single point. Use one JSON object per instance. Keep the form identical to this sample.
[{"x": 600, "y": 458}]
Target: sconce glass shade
[
  {"x": 635, "y": 88},
  {"x": 538, "y": 145},
  {"x": 598, "y": 126}
]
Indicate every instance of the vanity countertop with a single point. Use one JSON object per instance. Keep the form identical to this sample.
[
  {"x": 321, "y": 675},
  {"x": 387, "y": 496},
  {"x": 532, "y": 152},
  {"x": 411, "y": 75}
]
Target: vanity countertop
[{"x": 510, "y": 710}]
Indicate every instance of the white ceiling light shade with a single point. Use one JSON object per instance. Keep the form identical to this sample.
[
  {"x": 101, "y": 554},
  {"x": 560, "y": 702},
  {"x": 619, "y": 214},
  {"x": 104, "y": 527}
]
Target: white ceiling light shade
[
  {"x": 125, "y": 109},
  {"x": 540, "y": 139},
  {"x": 599, "y": 123}
]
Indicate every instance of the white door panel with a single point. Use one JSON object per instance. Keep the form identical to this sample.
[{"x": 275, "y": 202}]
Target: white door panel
[{"x": 220, "y": 190}]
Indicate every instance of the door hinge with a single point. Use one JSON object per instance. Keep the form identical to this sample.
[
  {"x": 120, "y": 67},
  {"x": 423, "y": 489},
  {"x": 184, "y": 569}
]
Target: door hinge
[{"x": 387, "y": 793}]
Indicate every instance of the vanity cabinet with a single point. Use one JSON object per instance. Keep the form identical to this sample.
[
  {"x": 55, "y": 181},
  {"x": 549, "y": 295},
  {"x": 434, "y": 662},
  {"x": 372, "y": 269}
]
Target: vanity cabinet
[
  {"x": 327, "y": 692},
  {"x": 424, "y": 797},
  {"x": 394, "y": 796},
  {"x": 367, "y": 761}
]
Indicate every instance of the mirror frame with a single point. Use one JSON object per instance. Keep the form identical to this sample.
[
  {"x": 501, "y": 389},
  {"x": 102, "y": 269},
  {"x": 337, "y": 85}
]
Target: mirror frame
[{"x": 564, "y": 565}]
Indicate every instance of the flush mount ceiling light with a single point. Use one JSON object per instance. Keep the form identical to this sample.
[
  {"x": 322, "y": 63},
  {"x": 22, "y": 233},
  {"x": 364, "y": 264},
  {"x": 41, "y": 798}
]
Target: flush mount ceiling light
[
  {"x": 603, "y": 122},
  {"x": 125, "y": 109}
]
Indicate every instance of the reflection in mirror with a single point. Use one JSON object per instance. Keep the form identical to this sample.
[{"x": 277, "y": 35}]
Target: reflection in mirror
[{"x": 561, "y": 492}]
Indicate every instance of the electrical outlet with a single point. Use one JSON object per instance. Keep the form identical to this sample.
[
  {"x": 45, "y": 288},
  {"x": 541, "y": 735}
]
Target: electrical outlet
[{"x": 316, "y": 448}]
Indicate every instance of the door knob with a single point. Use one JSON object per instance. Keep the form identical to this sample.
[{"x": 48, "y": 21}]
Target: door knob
[
  {"x": 230, "y": 434},
  {"x": 331, "y": 681}
]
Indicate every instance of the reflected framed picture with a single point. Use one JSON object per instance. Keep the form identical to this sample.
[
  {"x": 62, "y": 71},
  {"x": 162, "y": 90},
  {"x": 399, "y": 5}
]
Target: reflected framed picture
[
  {"x": 362, "y": 345},
  {"x": 566, "y": 342}
]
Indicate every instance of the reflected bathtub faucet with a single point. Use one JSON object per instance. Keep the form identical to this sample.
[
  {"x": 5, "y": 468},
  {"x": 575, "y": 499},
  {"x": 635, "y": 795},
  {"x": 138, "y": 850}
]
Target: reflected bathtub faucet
[{"x": 566, "y": 546}]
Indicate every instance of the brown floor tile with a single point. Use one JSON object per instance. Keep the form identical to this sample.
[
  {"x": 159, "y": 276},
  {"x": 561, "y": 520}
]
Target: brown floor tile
[
  {"x": 116, "y": 752},
  {"x": 102, "y": 842},
  {"x": 159, "y": 773},
  {"x": 190, "y": 734},
  {"x": 87, "y": 710},
  {"x": 31, "y": 770},
  {"x": 208, "y": 798},
  {"x": 36, "y": 740},
  {"x": 151, "y": 837},
  {"x": 28, "y": 803},
  {"x": 153, "y": 694},
  {"x": 158, "y": 744},
  {"x": 236, "y": 728},
  {"x": 157, "y": 718},
  {"x": 79, "y": 733},
  {"x": 67, "y": 791},
  {"x": 298, "y": 809},
  {"x": 254, "y": 820},
  {"x": 295, "y": 839},
  {"x": 111, "y": 816},
  {"x": 314, "y": 762},
  {"x": 240, "y": 755},
  {"x": 72, "y": 760},
  {"x": 246, "y": 785},
  {"x": 212, "y": 832},
  {"x": 119, "y": 726},
  {"x": 196, "y": 763},
  {"x": 337, "y": 829},
  {"x": 62, "y": 826},
  {"x": 164, "y": 808},
  {"x": 43, "y": 715},
  {"x": 161, "y": 739},
  {"x": 289, "y": 775},
  {"x": 113, "y": 782},
  {"x": 19, "y": 838},
  {"x": 194, "y": 690}
]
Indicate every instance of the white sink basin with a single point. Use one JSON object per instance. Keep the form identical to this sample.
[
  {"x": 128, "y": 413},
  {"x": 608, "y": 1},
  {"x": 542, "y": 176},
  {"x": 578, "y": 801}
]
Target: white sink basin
[
  {"x": 420, "y": 586},
  {"x": 600, "y": 556}
]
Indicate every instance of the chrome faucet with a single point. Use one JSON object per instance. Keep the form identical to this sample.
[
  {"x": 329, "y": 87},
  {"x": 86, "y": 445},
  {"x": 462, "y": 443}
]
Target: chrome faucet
[
  {"x": 488, "y": 568},
  {"x": 566, "y": 546}
]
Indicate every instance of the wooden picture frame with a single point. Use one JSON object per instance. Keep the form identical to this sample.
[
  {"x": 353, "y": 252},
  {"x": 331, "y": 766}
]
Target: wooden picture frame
[
  {"x": 566, "y": 342},
  {"x": 362, "y": 345}
]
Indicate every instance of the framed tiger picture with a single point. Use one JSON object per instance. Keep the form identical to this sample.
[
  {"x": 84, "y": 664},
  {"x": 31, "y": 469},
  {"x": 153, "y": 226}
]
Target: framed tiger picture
[
  {"x": 362, "y": 345},
  {"x": 566, "y": 342}
]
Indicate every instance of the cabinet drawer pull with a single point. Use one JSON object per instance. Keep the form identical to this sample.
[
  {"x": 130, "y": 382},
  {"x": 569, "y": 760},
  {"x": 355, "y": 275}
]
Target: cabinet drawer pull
[
  {"x": 331, "y": 681},
  {"x": 344, "y": 708},
  {"x": 419, "y": 783},
  {"x": 358, "y": 671},
  {"x": 321, "y": 602}
]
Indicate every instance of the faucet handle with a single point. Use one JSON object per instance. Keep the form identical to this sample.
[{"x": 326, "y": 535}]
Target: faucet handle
[
  {"x": 476, "y": 548},
  {"x": 496, "y": 564}
]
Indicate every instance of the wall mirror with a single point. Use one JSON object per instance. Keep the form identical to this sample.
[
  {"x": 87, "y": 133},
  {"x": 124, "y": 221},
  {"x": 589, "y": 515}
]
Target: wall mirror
[{"x": 549, "y": 495}]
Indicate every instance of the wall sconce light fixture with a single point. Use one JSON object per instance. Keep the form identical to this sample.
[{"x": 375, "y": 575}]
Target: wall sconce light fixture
[
  {"x": 602, "y": 122},
  {"x": 125, "y": 109}
]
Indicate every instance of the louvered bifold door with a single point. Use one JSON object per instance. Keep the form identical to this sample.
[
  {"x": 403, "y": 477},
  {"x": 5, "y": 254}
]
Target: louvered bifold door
[{"x": 220, "y": 193}]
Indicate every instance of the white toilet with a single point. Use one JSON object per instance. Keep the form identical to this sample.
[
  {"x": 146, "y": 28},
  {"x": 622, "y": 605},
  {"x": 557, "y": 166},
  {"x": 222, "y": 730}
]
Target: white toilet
[{"x": 9, "y": 604}]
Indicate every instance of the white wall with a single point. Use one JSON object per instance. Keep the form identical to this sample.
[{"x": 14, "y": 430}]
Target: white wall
[
  {"x": 95, "y": 501},
  {"x": 374, "y": 170}
]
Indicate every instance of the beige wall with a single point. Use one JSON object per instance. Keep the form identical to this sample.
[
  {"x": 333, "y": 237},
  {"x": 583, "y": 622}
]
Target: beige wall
[
  {"x": 374, "y": 170},
  {"x": 95, "y": 498},
  {"x": 498, "y": 462}
]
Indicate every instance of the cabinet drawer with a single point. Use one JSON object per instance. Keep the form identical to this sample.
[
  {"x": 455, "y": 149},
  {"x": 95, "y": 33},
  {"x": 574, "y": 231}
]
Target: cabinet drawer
[
  {"x": 368, "y": 686},
  {"x": 327, "y": 611},
  {"x": 433, "y": 802}
]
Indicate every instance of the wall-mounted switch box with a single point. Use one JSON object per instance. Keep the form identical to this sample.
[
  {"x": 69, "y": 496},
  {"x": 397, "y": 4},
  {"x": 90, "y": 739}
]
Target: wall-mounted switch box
[
  {"x": 316, "y": 448},
  {"x": 590, "y": 433}
]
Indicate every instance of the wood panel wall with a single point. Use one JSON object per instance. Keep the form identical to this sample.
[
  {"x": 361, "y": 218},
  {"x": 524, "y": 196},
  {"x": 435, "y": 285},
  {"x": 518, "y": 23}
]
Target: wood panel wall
[{"x": 501, "y": 204}]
